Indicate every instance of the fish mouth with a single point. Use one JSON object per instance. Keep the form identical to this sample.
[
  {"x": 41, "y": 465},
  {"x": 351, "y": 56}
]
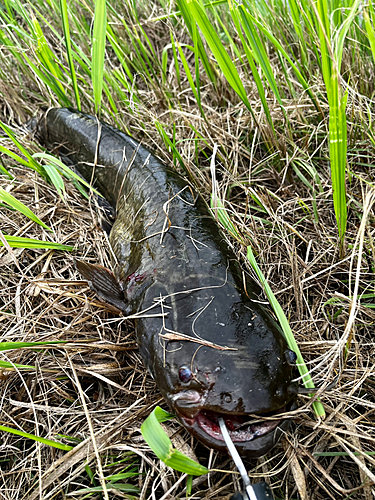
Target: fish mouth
[
  {"x": 252, "y": 436},
  {"x": 239, "y": 427}
]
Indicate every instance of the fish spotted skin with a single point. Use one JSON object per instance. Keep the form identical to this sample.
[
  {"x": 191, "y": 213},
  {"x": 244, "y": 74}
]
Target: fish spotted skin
[{"x": 180, "y": 277}]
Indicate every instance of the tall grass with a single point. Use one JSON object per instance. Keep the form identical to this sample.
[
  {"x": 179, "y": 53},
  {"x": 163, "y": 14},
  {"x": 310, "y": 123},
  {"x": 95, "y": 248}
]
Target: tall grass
[
  {"x": 98, "y": 51},
  {"x": 323, "y": 26},
  {"x": 69, "y": 53}
]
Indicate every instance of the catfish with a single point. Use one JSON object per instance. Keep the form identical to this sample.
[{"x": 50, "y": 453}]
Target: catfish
[{"x": 212, "y": 347}]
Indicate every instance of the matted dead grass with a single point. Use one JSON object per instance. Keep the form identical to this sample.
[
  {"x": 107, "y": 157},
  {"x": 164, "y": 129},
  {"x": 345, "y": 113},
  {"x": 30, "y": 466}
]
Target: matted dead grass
[{"x": 94, "y": 393}]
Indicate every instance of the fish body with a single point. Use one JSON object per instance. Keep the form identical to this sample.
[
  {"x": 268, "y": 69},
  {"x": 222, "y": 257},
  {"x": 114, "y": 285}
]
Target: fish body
[{"x": 211, "y": 347}]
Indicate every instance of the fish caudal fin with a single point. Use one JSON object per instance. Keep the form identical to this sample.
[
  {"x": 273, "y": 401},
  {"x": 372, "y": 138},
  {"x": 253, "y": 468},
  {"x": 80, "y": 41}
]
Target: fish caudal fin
[{"x": 102, "y": 281}]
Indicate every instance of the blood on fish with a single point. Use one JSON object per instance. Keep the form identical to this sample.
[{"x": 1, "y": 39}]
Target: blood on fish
[{"x": 136, "y": 278}]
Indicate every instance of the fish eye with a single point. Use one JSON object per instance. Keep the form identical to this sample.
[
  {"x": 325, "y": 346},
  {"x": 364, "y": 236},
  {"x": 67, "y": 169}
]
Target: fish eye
[
  {"x": 291, "y": 357},
  {"x": 185, "y": 374}
]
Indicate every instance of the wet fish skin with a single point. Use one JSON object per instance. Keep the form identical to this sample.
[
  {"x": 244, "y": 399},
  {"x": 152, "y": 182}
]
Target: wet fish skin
[{"x": 173, "y": 263}]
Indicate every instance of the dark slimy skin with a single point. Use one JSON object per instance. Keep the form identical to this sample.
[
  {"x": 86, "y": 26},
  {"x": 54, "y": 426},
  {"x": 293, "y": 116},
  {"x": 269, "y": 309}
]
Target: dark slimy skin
[{"x": 177, "y": 272}]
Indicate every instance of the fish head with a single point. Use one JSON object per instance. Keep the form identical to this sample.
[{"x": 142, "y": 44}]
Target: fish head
[{"x": 248, "y": 383}]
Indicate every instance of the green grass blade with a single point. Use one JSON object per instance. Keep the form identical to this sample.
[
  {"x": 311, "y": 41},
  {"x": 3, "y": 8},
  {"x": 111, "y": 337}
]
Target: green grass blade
[
  {"x": 306, "y": 86},
  {"x": 20, "y": 207},
  {"x": 254, "y": 70},
  {"x": 162, "y": 415},
  {"x": 259, "y": 52},
  {"x": 48, "y": 60},
  {"x": 98, "y": 51},
  {"x": 369, "y": 28},
  {"x": 170, "y": 144},
  {"x": 331, "y": 62},
  {"x": 178, "y": 13},
  {"x": 176, "y": 65},
  {"x": 322, "y": 20},
  {"x": 189, "y": 77},
  {"x": 9, "y": 346},
  {"x": 295, "y": 11},
  {"x": 221, "y": 213},
  {"x": 48, "y": 81},
  {"x": 126, "y": 488},
  {"x": 196, "y": 39},
  {"x": 56, "y": 179},
  {"x": 21, "y": 242},
  {"x": 122, "y": 475},
  {"x": 338, "y": 151},
  {"x": 156, "y": 438},
  {"x": 369, "y": 25},
  {"x": 292, "y": 344},
  {"x": 26, "y": 435},
  {"x": 161, "y": 445},
  {"x": 115, "y": 44},
  {"x": 31, "y": 163},
  {"x": 12, "y": 366},
  {"x": 65, "y": 24},
  {"x": 226, "y": 65},
  {"x": 68, "y": 173},
  {"x": 20, "y": 9},
  {"x": 4, "y": 170},
  {"x": 184, "y": 7},
  {"x": 17, "y": 158},
  {"x": 164, "y": 62},
  {"x": 342, "y": 32},
  {"x": 223, "y": 28},
  {"x": 148, "y": 51},
  {"x": 189, "y": 485},
  {"x": 139, "y": 49}
]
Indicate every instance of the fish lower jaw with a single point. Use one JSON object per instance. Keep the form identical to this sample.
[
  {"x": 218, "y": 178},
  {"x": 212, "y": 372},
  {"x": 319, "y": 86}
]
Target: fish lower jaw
[
  {"x": 208, "y": 422},
  {"x": 240, "y": 427}
]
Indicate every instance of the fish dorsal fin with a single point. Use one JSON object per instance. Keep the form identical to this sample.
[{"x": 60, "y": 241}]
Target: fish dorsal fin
[{"x": 104, "y": 283}]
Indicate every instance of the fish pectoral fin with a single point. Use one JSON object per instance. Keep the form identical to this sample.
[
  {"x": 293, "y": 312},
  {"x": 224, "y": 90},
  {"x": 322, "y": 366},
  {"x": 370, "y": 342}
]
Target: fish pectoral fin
[{"x": 102, "y": 281}]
